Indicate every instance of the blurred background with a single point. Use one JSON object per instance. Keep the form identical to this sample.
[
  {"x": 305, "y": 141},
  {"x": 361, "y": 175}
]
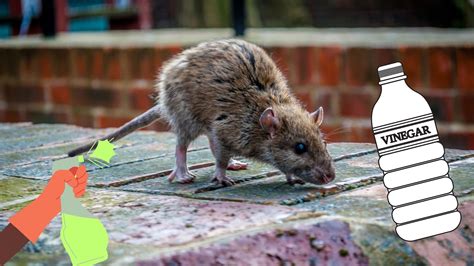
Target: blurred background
[{"x": 93, "y": 63}]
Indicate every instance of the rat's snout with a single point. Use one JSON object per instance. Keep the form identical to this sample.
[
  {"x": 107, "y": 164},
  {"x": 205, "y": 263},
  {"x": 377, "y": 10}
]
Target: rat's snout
[
  {"x": 324, "y": 176},
  {"x": 319, "y": 174},
  {"x": 328, "y": 176}
]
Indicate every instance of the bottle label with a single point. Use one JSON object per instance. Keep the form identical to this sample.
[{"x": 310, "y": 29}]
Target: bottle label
[{"x": 405, "y": 134}]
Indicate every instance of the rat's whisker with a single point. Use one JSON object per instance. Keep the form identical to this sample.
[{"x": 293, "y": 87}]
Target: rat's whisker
[{"x": 337, "y": 131}]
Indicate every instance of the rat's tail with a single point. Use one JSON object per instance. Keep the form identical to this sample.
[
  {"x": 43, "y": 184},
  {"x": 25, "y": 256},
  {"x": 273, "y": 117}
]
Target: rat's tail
[{"x": 138, "y": 122}]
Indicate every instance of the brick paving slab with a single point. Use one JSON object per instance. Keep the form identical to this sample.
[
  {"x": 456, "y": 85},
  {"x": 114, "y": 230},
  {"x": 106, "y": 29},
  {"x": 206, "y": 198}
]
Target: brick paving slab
[
  {"x": 370, "y": 202},
  {"x": 56, "y": 137},
  {"x": 254, "y": 172},
  {"x": 14, "y": 125},
  {"x": 49, "y": 251},
  {"x": 349, "y": 172},
  {"x": 161, "y": 185},
  {"x": 367, "y": 203},
  {"x": 50, "y": 152},
  {"x": 456, "y": 248},
  {"x": 14, "y": 190},
  {"x": 141, "y": 149},
  {"x": 462, "y": 174},
  {"x": 162, "y": 221},
  {"x": 382, "y": 246},
  {"x": 20, "y": 130},
  {"x": 152, "y": 221},
  {"x": 150, "y": 147},
  {"x": 323, "y": 243},
  {"x": 160, "y": 166},
  {"x": 105, "y": 176}
]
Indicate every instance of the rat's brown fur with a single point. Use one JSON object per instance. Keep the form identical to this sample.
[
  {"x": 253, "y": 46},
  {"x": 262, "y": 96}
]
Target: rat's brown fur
[{"x": 220, "y": 89}]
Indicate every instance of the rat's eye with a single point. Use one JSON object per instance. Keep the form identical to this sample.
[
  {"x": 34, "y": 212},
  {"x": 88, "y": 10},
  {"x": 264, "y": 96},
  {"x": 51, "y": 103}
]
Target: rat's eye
[{"x": 300, "y": 148}]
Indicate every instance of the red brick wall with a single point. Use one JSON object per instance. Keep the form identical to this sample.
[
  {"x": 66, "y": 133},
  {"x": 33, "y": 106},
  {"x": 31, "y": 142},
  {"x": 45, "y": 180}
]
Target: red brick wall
[{"x": 105, "y": 87}]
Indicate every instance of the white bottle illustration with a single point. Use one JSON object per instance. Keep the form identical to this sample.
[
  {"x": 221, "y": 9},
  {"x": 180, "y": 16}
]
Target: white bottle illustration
[{"x": 411, "y": 157}]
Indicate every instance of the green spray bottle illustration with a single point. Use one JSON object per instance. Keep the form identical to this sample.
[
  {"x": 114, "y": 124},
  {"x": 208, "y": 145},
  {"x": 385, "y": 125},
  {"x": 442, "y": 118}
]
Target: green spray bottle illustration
[{"x": 83, "y": 235}]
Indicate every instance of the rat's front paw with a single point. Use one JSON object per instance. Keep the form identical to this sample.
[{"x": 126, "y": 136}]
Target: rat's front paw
[
  {"x": 183, "y": 177},
  {"x": 223, "y": 180},
  {"x": 293, "y": 181}
]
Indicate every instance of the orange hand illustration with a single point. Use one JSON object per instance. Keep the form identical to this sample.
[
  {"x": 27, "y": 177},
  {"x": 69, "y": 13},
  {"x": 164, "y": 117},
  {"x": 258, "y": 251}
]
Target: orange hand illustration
[
  {"x": 32, "y": 219},
  {"x": 76, "y": 177},
  {"x": 27, "y": 224}
]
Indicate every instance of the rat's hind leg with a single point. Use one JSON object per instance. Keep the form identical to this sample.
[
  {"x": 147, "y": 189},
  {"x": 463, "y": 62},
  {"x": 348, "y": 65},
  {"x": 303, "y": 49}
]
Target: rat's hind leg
[
  {"x": 233, "y": 165},
  {"x": 181, "y": 172}
]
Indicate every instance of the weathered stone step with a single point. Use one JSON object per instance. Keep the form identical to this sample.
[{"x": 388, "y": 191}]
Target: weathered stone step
[
  {"x": 146, "y": 140},
  {"x": 161, "y": 185},
  {"x": 9, "y": 126},
  {"x": 326, "y": 242},
  {"x": 108, "y": 175},
  {"x": 209, "y": 222},
  {"x": 140, "y": 220},
  {"x": 14, "y": 189},
  {"x": 350, "y": 172},
  {"x": 14, "y": 131},
  {"x": 255, "y": 171},
  {"x": 152, "y": 146}
]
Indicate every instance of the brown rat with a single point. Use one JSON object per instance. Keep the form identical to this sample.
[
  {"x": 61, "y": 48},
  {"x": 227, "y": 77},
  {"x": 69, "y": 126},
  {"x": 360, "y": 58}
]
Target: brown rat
[{"x": 232, "y": 92}]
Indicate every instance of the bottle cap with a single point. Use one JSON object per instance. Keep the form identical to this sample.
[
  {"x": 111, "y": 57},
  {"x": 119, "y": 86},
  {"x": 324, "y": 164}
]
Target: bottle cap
[{"x": 390, "y": 71}]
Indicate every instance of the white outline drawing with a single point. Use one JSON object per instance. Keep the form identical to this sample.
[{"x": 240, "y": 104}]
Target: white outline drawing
[{"x": 412, "y": 160}]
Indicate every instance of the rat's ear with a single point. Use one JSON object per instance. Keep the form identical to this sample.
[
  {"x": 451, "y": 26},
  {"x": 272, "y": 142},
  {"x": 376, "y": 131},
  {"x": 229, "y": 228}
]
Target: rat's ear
[
  {"x": 269, "y": 121},
  {"x": 318, "y": 116}
]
